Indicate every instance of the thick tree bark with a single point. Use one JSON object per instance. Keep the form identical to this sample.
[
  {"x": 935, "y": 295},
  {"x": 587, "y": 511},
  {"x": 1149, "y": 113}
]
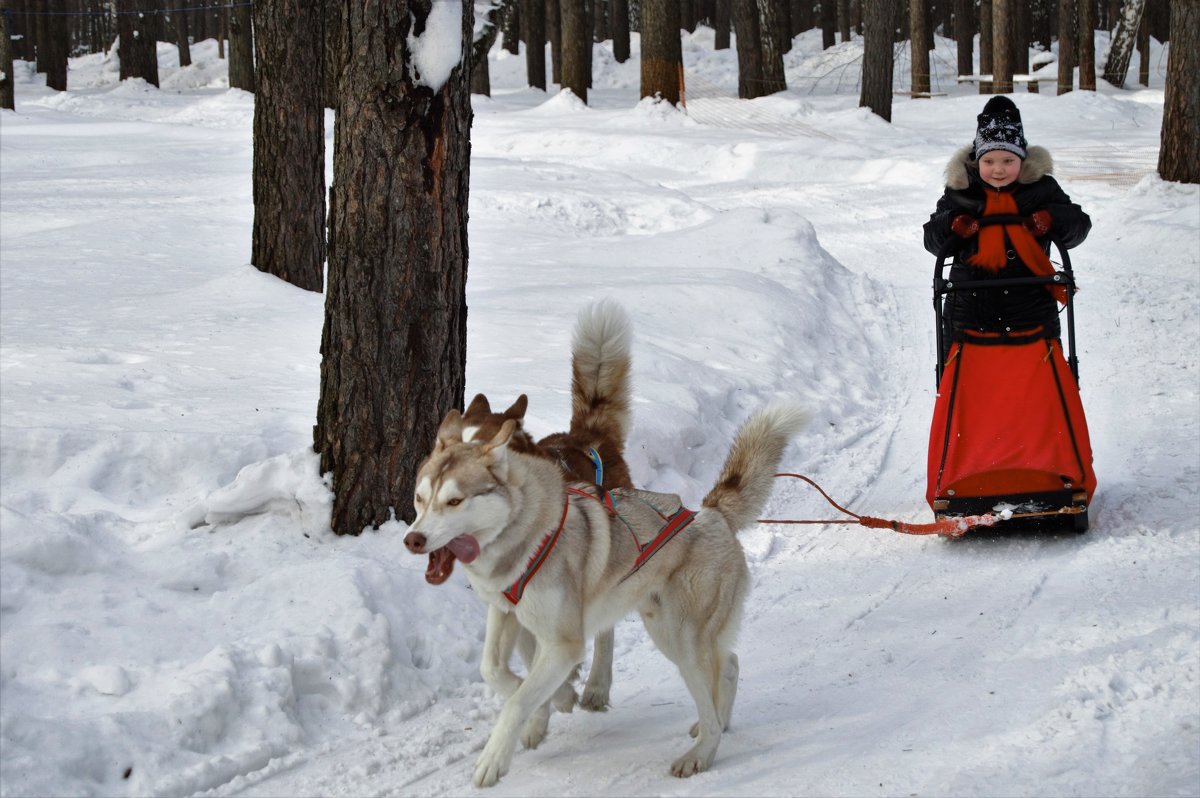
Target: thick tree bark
[
  {"x": 1116, "y": 68},
  {"x": 1179, "y": 153},
  {"x": 1086, "y": 48},
  {"x": 878, "y": 16},
  {"x": 533, "y": 32},
  {"x": 138, "y": 50},
  {"x": 395, "y": 336},
  {"x": 773, "y": 79},
  {"x": 1066, "y": 45},
  {"x": 964, "y": 33},
  {"x": 7, "y": 100},
  {"x": 749, "y": 48},
  {"x": 986, "y": 58},
  {"x": 619, "y": 24},
  {"x": 335, "y": 52},
  {"x": 721, "y": 12},
  {"x": 576, "y": 48},
  {"x": 662, "y": 52},
  {"x": 289, "y": 143},
  {"x": 919, "y": 47},
  {"x": 843, "y": 19},
  {"x": 1002, "y": 47},
  {"x": 241, "y": 49}
]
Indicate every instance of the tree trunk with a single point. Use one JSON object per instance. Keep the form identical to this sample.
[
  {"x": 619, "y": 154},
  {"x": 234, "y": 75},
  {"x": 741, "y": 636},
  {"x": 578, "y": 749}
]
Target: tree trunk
[
  {"x": 481, "y": 82},
  {"x": 1123, "y": 41},
  {"x": 181, "y": 37},
  {"x": 721, "y": 39},
  {"x": 395, "y": 339},
  {"x": 241, "y": 50},
  {"x": 828, "y": 24},
  {"x": 7, "y": 99},
  {"x": 335, "y": 52},
  {"x": 510, "y": 25},
  {"x": 773, "y": 79},
  {"x": 533, "y": 32},
  {"x": 289, "y": 143},
  {"x": 878, "y": 16},
  {"x": 985, "y": 45},
  {"x": 1002, "y": 47},
  {"x": 687, "y": 17},
  {"x": 1085, "y": 54},
  {"x": 619, "y": 9},
  {"x": 919, "y": 50},
  {"x": 554, "y": 31},
  {"x": 56, "y": 43},
  {"x": 1179, "y": 153},
  {"x": 1066, "y": 45},
  {"x": 843, "y": 18},
  {"x": 1143, "y": 47},
  {"x": 964, "y": 33},
  {"x": 662, "y": 52},
  {"x": 749, "y": 48},
  {"x": 576, "y": 46},
  {"x": 138, "y": 50}
]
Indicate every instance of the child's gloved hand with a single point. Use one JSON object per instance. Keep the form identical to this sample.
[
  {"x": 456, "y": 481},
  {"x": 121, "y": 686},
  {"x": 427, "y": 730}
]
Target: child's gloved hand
[
  {"x": 1039, "y": 222},
  {"x": 964, "y": 225}
]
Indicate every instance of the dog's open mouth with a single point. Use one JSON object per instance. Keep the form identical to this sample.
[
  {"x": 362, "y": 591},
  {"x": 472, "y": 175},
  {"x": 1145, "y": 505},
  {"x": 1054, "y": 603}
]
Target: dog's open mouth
[{"x": 441, "y": 561}]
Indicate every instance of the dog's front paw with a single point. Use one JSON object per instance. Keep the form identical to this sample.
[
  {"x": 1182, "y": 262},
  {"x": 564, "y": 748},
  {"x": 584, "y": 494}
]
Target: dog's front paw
[
  {"x": 493, "y": 761},
  {"x": 595, "y": 698},
  {"x": 691, "y": 763},
  {"x": 536, "y": 728}
]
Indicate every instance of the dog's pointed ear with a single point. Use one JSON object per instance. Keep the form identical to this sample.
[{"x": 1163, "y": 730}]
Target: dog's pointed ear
[
  {"x": 499, "y": 443},
  {"x": 479, "y": 406},
  {"x": 517, "y": 411},
  {"x": 450, "y": 431}
]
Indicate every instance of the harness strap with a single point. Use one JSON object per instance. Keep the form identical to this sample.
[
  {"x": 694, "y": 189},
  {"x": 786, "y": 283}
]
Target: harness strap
[
  {"x": 594, "y": 455},
  {"x": 517, "y": 588},
  {"x": 675, "y": 524}
]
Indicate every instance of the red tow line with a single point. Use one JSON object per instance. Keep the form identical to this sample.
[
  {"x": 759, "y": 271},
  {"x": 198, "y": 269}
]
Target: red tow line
[{"x": 947, "y": 527}]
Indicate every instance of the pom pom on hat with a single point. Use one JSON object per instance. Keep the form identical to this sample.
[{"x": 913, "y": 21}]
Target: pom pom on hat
[{"x": 1000, "y": 128}]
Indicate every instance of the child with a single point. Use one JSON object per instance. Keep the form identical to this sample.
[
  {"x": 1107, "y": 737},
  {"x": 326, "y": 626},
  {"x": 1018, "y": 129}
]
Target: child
[
  {"x": 1008, "y": 424},
  {"x": 1000, "y": 175}
]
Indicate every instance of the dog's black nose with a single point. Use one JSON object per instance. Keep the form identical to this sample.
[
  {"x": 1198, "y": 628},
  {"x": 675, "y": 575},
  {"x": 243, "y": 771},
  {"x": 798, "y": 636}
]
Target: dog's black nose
[{"x": 415, "y": 542}]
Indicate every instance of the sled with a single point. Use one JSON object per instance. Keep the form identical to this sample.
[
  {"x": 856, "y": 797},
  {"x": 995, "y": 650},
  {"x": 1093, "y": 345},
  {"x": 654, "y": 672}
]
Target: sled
[{"x": 1009, "y": 436}]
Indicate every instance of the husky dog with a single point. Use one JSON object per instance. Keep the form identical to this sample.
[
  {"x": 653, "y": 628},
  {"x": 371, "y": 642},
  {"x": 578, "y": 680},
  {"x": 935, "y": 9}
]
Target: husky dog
[
  {"x": 569, "y": 560},
  {"x": 592, "y": 450}
]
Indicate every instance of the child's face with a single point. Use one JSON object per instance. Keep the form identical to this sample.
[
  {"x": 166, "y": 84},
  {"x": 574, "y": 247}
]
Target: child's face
[{"x": 998, "y": 168}]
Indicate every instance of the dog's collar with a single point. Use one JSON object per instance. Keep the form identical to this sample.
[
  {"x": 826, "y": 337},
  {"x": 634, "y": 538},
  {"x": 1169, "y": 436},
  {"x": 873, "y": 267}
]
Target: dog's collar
[{"x": 517, "y": 588}]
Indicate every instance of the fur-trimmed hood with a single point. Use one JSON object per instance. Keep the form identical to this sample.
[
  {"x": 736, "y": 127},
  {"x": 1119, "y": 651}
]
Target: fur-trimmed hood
[{"x": 1036, "y": 165}]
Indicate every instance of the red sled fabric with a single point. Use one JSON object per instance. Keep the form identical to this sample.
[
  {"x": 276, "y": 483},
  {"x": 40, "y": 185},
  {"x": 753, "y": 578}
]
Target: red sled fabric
[{"x": 1008, "y": 421}]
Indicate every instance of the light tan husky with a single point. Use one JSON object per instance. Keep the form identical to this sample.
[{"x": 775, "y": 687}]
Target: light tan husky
[{"x": 570, "y": 560}]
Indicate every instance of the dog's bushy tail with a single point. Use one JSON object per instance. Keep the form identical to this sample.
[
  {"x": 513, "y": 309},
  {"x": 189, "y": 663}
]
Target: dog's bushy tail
[
  {"x": 600, "y": 371},
  {"x": 745, "y": 483}
]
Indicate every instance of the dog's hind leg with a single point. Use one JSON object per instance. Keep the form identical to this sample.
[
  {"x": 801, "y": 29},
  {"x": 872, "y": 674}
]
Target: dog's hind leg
[
  {"x": 726, "y": 693},
  {"x": 599, "y": 682},
  {"x": 700, "y": 669},
  {"x": 551, "y": 666}
]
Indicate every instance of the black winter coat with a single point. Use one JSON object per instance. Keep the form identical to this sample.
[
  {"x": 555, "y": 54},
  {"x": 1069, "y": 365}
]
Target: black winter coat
[{"x": 1001, "y": 311}]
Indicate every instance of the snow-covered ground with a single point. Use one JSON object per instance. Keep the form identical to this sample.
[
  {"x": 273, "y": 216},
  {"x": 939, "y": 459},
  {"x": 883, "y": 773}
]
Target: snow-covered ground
[{"x": 158, "y": 640}]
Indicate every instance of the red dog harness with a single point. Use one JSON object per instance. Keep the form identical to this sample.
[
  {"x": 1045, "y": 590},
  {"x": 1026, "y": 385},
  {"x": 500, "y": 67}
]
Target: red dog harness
[{"x": 672, "y": 525}]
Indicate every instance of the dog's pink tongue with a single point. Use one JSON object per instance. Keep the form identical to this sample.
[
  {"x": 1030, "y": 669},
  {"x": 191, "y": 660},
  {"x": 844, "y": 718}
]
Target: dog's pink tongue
[{"x": 464, "y": 547}]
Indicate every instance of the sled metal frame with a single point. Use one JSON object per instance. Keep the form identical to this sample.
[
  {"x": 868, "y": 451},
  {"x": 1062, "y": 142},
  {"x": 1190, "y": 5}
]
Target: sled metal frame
[{"x": 1066, "y": 508}]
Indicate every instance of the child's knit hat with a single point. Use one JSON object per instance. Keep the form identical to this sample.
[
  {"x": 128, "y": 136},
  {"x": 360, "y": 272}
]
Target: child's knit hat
[{"x": 1000, "y": 128}]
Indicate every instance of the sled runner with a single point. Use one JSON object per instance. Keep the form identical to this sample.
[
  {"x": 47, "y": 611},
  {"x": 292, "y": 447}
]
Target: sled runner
[{"x": 1009, "y": 435}]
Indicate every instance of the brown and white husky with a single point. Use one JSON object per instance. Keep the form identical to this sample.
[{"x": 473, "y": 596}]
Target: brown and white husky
[{"x": 569, "y": 560}]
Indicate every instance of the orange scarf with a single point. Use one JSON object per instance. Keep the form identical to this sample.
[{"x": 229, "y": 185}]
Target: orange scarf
[{"x": 993, "y": 253}]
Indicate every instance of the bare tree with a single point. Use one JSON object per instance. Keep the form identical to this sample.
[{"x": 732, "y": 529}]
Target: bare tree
[
  {"x": 619, "y": 24},
  {"x": 54, "y": 43},
  {"x": 1002, "y": 47},
  {"x": 1143, "y": 47},
  {"x": 179, "y": 19},
  {"x": 919, "y": 46},
  {"x": 289, "y": 143},
  {"x": 533, "y": 32},
  {"x": 576, "y": 47},
  {"x": 7, "y": 99},
  {"x": 485, "y": 37},
  {"x": 985, "y": 45},
  {"x": 395, "y": 338},
  {"x": 662, "y": 51},
  {"x": 771, "y": 41},
  {"x": 749, "y": 48},
  {"x": 1179, "y": 153},
  {"x": 241, "y": 48},
  {"x": 828, "y": 24},
  {"x": 138, "y": 50},
  {"x": 1121, "y": 49},
  {"x": 964, "y": 34},
  {"x": 843, "y": 18},
  {"x": 1066, "y": 45},
  {"x": 1087, "y": 45},
  {"x": 878, "y": 58}
]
